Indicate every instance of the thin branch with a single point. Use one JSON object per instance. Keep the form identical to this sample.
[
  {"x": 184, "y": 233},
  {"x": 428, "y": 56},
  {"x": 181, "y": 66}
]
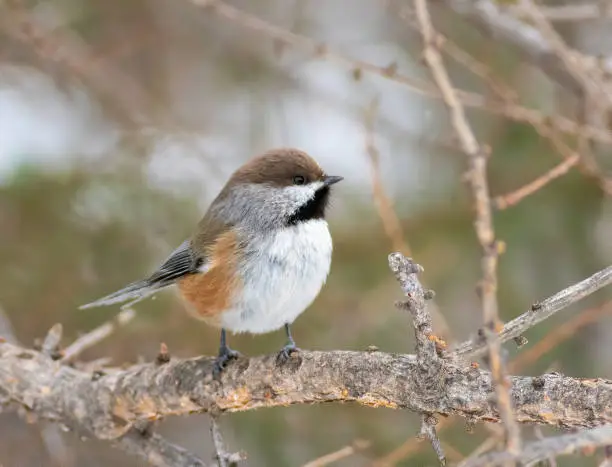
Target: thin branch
[
  {"x": 516, "y": 196},
  {"x": 384, "y": 205},
  {"x": 555, "y": 446},
  {"x": 409, "y": 447},
  {"x": 217, "y": 438},
  {"x": 561, "y": 333},
  {"x": 50, "y": 345},
  {"x": 405, "y": 271},
  {"x": 568, "y": 13},
  {"x": 509, "y": 96},
  {"x": 539, "y": 312},
  {"x": 156, "y": 451},
  {"x": 589, "y": 78},
  {"x": 347, "y": 451},
  {"x": 485, "y": 446},
  {"x": 68, "y": 49},
  {"x": 550, "y": 461},
  {"x": 469, "y": 99},
  {"x": 494, "y": 21},
  {"x": 587, "y": 167},
  {"x": 483, "y": 224},
  {"x": 428, "y": 430},
  {"x": 96, "y": 335},
  {"x": 548, "y": 343},
  {"x": 430, "y": 364},
  {"x": 224, "y": 458}
]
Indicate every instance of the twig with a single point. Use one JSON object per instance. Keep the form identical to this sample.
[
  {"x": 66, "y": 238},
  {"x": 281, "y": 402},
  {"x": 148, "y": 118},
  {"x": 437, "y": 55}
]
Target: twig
[
  {"x": 469, "y": 99},
  {"x": 405, "y": 271},
  {"x": 407, "y": 448},
  {"x": 495, "y": 21},
  {"x": 539, "y": 435},
  {"x": 509, "y": 96},
  {"x": 384, "y": 206},
  {"x": 485, "y": 446},
  {"x": 568, "y": 13},
  {"x": 97, "y": 335},
  {"x": 589, "y": 78},
  {"x": 586, "y": 166},
  {"x": 516, "y": 196},
  {"x": 52, "y": 341},
  {"x": 453, "y": 454},
  {"x": 217, "y": 438},
  {"x": 156, "y": 451},
  {"x": 430, "y": 364},
  {"x": 346, "y": 451},
  {"x": 224, "y": 459},
  {"x": 483, "y": 224},
  {"x": 539, "y": 312},
  {"x": 68, "y": 49},
  {"x": 462, "y": 57},
  {"x": 428, "y": 430},
  {"x": 555, "y": 446},
  {"x": 548, "y": 343},
  {"x": 552, "y": 338}
]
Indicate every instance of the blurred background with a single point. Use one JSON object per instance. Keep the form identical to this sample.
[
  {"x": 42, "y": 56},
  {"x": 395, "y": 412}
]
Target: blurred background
[{"x": 120, "y": 120}]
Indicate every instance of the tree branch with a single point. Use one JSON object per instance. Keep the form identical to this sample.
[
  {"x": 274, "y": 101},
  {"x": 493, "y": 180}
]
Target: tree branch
[
  {"x": 485, "y": 232},
  {"x": 108, "y": 407},
  {"x": 156, "y": 450},
  {"x": 96, "y": 335},
  {"x": 492, "y": 20},
  {"x": 590, "y": 79},
  {"x": 539, "y": 312},
  {"x": 113, "y": 406},
  {"x": 554, "y": 446},
  {"x": 469, "y": 99}
]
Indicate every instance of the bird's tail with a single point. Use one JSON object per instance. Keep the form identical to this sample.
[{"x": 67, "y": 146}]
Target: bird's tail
[{"x": 131, "y": 294}]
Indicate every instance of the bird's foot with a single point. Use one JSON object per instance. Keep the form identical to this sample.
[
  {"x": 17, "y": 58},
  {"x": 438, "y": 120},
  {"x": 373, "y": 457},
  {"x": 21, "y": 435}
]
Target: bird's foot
[
  {"x": 225, "y": 356},
  {"x": 285, "y": 353}
]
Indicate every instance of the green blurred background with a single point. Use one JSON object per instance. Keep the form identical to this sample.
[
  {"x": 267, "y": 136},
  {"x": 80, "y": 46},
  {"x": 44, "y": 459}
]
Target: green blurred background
[{"x": 119, "y": 122}]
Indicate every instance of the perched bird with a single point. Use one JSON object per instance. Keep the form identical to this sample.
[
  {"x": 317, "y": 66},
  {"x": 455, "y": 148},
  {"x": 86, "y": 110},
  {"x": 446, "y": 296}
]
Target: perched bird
[{"x": 260, "y": 255}]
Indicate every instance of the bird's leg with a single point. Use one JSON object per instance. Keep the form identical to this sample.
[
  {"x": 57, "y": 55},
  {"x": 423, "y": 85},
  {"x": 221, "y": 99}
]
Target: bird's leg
[
  {"x": 289, "y": 347},
  {"x": 225, "y": 355}
]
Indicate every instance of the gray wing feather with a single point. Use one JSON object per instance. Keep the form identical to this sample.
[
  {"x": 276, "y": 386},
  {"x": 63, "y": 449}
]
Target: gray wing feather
[{"x": 181, "y": 262}]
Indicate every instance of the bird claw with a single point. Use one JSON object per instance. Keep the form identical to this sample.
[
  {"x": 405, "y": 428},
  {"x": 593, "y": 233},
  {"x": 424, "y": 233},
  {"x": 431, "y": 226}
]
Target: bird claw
[
  {"x": 225, "y": 356},
  {"x": 285, "y": 353}
]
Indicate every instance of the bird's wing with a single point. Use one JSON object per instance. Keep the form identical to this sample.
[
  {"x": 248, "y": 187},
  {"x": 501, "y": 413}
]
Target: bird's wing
[{"x": 181, "y": 262}]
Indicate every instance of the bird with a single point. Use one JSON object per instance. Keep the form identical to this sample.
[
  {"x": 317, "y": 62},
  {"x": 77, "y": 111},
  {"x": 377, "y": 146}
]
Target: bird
[{"x": 259, "y": 256}]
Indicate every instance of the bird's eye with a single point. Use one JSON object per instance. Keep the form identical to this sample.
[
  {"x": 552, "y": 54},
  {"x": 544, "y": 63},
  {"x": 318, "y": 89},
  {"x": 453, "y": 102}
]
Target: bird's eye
[{"x": 299, "y": 180}]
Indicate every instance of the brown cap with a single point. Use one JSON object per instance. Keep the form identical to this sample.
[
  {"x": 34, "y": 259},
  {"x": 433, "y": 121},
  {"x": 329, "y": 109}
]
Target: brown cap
[{"x": 279, "y": 167}]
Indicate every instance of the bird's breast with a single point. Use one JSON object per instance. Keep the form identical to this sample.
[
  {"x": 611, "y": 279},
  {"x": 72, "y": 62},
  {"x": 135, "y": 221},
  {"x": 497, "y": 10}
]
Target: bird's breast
[{"x": 281, "y": 274}]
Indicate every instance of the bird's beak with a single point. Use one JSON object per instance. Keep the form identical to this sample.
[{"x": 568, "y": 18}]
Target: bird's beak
[{"x": 331, "y": 179}]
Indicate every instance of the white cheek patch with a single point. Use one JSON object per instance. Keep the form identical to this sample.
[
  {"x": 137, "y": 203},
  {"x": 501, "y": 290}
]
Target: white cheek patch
[
  {"x": 301, "y": 194},
  {"x": 262, "y": 205}
]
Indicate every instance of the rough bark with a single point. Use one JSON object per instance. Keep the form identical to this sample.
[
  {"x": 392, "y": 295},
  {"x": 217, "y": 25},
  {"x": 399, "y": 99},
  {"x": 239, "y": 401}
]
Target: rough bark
[{"x": 108, "y": 406}]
